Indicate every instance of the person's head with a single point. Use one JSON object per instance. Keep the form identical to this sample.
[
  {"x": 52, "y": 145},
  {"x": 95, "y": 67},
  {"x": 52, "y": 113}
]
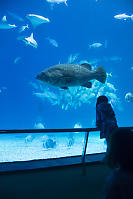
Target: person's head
[
  {"x": 102, "y": 99},
  {"x": 120, "y": 152}
]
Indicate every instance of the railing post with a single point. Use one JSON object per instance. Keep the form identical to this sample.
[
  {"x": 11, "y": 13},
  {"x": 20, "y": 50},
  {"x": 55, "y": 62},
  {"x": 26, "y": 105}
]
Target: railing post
[{"x": 84, "y": 151}]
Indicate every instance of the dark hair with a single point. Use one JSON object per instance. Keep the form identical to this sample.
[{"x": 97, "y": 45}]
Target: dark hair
[
  {"x": 120, "y": 152},
  {"x": 102, "y": 99}
]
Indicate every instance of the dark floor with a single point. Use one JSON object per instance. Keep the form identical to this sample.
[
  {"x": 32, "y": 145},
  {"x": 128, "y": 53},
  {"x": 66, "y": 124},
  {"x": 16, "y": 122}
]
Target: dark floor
[{"x": 61, "y": 183}]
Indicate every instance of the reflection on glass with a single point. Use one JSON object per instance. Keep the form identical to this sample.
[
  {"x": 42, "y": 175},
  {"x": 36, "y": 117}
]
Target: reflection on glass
[
  {"x": 22, "y": 147},
  {"x": 95, "y": 144}
]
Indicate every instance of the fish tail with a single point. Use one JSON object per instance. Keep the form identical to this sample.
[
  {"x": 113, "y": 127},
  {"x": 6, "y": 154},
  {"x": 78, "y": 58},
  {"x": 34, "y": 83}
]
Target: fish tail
[
  {"x": 132, "y": 17},
  {"x": 100, "y": 74},
  {"x": 66, "y": 3}
]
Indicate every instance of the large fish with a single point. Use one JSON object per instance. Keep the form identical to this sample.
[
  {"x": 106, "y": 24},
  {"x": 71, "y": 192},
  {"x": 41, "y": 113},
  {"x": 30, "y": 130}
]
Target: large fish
[
  {"x": 36, "y": 20},
  {"x": 69, "y": 75},
  {"x": 123, "y": 16},
  {"x": 28, "y": 40},
  {"x": 57, "y": 1}
]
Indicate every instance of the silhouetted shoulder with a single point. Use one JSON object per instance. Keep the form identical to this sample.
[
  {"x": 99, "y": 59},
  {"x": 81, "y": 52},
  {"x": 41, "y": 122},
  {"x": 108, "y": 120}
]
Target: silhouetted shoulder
[{"x": 119, "y": 185}]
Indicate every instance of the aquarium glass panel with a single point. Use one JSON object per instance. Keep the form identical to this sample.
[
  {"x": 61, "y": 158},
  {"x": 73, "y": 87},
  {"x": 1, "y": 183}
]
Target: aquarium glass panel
[
  {"x": 24, "y": 147},
  {"x": 56, "y": 58},
  {"x": 95, "y": 144}
]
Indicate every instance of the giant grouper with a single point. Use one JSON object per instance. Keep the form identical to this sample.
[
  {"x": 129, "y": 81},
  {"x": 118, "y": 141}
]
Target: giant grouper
[{"x": 69, "y": 75}]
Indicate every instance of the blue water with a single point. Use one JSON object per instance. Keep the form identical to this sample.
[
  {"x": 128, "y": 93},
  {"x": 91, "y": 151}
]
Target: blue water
[{"x": 74, "y": 28}]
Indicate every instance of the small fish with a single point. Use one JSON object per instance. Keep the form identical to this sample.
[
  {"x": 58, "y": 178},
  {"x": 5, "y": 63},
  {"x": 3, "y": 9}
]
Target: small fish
[
  {"x": 53, "y": 42},
  {"x": 29, "y": 40},
  {"x": 70, "y": 75},
  {"x": 123, "y": 16},
  {"x": 111, "y": 87},
  {"x": 77, "y": 125},
  {"x": 39, "y": 126},
  {"x": 109, "y": 74},
  {"x": 95, "y": 45},
  {"x": 17, "y": 59},
  {"x": 5, "y": 25},
  {"x": 132, "y": 68},
  {"x": 36, "y": 20},
  {"x": 73, "y": 57},
  {"x": 98, "y": 44},
  {"x": 129, "y": 97},
  {"x": 57, "y": 1},
  {"x": 28, "y": 138},
  {"x": 23, "y": 28}
]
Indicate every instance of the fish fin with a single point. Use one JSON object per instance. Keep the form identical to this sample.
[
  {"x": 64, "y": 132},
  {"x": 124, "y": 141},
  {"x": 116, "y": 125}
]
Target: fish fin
[
  {"x": 31, "y": 36},
  {"x": 64, "y": 88},
  {"x": 4, "y": 19},
  {"x": 100, "y": 74},
  {"x": 66, "y": 3},
  {"x": 88, "y": 66},
  {"x": 87, "y": 85}
]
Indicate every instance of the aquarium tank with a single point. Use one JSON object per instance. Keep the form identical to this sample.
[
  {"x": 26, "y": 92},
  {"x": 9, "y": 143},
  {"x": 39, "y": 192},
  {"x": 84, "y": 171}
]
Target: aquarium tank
[{"x": 53, "y": 54}]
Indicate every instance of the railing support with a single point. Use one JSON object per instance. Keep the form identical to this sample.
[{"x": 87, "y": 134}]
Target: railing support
[{"x": 84, "y": 152}]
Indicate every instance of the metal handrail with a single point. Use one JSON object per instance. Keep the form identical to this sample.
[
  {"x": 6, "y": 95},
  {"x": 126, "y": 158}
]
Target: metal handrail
[
  {"x": 9, "y": 131},
  {"x": 47, "y": 130}
]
